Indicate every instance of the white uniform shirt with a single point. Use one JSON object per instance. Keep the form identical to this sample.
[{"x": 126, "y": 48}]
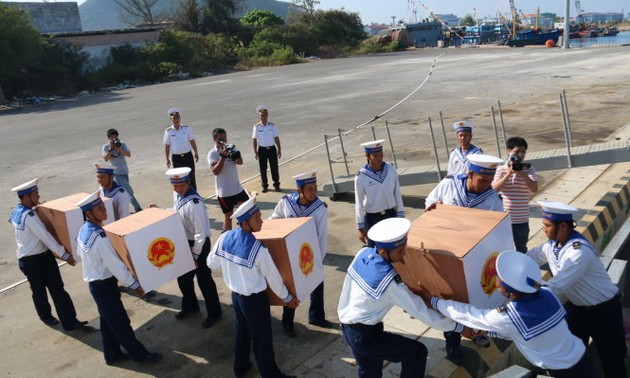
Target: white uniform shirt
[
  {"x": 120, "y": 200},
  {"x": 451, "y": 192},
  {"x": 578, "y": 273},
  {"x": 265, "y": 134},
  {"x": 376, "y": 192},
  {"x": 288, "y": 208},
  {"x": 249, "y": 280},
  {"x": 33, "y": 238},
  {"x": 556, "y": 348},
  {"x": 357, "y": 306},
  {"x": 179, "y": 140},
  {"x": 226, "y": 183},
  {"x": 195, "y": 219},
  {"x": 458, "y": 162},
  {"x": 100, "y": 260}
]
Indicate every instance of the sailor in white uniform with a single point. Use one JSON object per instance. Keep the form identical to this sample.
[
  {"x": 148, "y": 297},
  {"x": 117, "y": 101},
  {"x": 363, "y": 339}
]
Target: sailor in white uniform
[
  {"x": 371, "y": 288},
  {"x": 593, "y": 301},
  {"x": 473, "y": 189},
  {"x": 36, "y": 252},
  {"x": 376, "y": 191},
  {"x": 533, "y": 318},
  {"x": 305, "y": 203},
  {"x": 192, "y": 211},
  {"x": 110, "y": 189},
  {"x": 247, "y": 271},
  {"x": 102, "y": 269},
  {"x": 458, "y": 159}
]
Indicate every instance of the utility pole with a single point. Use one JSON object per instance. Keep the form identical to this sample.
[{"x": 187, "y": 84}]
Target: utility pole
[
  {"x": 567, "y": 27},
  {"x": 393, "y": 21}
]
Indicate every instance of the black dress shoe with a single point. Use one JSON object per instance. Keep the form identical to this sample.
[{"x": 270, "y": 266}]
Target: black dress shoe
[
  {"x": 289, "y": 331},
  {"x": 123, "y": 357},
  {"x": 277, "y": 188},
  {"x": 265, "y": 189},
  {"x": 322, "y": 323},
  {"x": 482, "y": 341},
  {"x": 74, "y": 324},
  {"x": 151, "y": 358},
  {"x": 50, "y": 321},
  {"x": 182, "y": 314},
  {"x": 210, "y": 320}
]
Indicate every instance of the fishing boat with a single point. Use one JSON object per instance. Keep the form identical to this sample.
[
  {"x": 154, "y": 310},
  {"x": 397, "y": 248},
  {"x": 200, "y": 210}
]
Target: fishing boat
[
  {"x": 532, "y": 37},
  {"x": 610, "y": 32}
]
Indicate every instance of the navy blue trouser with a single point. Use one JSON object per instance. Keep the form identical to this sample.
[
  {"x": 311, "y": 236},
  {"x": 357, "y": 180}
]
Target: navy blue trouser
[
  {"x": 206, "y": 285},
  {"x": 315, "y": 310},
  {"x": 253, "y": 326},
  {"x": 42, "y": 273},
  {"x": 371, "y": 345},
  {"x": 268, "y": 154},
  {"x": 582, "y": 369},
  {"x": 520, "y": 232},
  {"x": 373, "y": 218},
  {"x": 116, "y": 328},
  {"x": 604, "y": 323},
  {"x": 186, "y": 160}
]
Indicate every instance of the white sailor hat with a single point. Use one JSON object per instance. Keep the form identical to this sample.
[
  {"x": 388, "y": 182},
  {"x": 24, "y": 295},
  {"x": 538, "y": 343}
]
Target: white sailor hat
[
  {"x": 484, "y": 164},
  {"x": 390, "y": 233},
  {"x": 26, "y": 188},
  {"x": 104, "y": 168},
  {"x": 557, "y": 211},
  {"x": 178, "y": 175},
  {"x": 518, "y": 273},
  {"x": 373, "y": 146},
  {"x": 261, "y": 108},
  {"x": 90, "y": 201},
  {"x": 460, "y": 126},
  {"x": 246, "y": 210},
  {"x": 306, "y": 178},
  {"x": 172, "y": 110}
]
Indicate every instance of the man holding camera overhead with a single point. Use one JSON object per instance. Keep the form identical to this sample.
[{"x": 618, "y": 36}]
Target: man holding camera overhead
[
  {"x": 223, "y": 159},
  {"x": 515, "y": 181},
  {"x": 115, "y": 152}
]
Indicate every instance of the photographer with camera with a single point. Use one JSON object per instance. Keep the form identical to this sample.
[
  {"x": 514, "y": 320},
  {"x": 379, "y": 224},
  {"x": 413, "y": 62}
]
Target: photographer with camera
[
  {"x": 115, "y": 152},
  {"x": 223, "y": 159},
  {"x": 516, "y": 181}
]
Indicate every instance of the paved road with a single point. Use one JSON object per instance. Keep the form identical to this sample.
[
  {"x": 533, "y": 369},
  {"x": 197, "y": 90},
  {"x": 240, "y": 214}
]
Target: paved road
[{"x": 59, "y": 142}]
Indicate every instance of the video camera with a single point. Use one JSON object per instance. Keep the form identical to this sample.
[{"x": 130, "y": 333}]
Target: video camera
[
  {"x": 230, "y": 151},
  {"x": 517, "y": 163},
  {"x": 117, "y": 143}
]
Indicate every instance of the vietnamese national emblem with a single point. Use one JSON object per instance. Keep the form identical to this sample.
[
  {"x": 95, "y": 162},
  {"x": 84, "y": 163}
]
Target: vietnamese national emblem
[
  {"x": 306, "y": 258},
  {"x": 489, "y": 274},
  {"x": 161, "y": 252}
]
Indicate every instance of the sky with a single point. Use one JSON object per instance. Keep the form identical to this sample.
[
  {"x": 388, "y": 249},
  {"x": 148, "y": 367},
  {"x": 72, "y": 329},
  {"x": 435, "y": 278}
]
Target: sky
[{"x": 381, "y": 11}]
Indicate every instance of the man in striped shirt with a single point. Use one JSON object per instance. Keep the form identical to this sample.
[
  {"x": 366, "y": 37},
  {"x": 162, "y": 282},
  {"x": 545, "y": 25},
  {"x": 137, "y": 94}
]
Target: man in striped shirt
[{"x": 515, "y": 181}]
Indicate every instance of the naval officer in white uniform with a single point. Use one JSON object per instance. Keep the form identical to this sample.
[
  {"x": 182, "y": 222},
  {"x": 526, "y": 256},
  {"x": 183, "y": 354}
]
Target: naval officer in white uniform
[
  {"x": 593, "y": 300},
  {"x": 376, "y": 191},
  {"x": 371, "y": 288},
  {"x": 305, "y": 203},
  {"x": 533, "y": 318},
  {"x": 458, "y": 159}
]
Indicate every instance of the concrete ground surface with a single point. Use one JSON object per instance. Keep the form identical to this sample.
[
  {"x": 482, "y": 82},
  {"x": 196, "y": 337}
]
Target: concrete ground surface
[{"x": 58, "y": 143}]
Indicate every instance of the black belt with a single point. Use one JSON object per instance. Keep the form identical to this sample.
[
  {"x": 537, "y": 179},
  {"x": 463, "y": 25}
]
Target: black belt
[
  {"x": 249, "y": 295},
  {"x": 182, "y": 155},
  {"x": 266, "y": 147},
  {"x": 361, "y": 326},
  {"x": 382, "y": 212},
  {"x": 35, "y": 256},
  {"x": 103, "y": 282}
]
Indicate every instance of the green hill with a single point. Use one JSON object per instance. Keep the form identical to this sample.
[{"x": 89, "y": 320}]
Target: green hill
[{"x": 105, "y": 14}]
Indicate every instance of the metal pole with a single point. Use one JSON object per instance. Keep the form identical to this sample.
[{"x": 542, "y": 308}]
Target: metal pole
[
  {"x": 566, "y": 134},
  {"x": 391, "y": 145},
  {"x": 373, "y": 133},
  {"x": 502, "y": 124},
  {"x": 448, "y": 153},
  {"x": 343, "y": 151},
  {"x": 332, "y": 174},
  {"x": 437, "y": 160},
  {"x": 496, "y": 132},
  {"x": 566, "y": 112},
  {"x": 567, "y": 28}
]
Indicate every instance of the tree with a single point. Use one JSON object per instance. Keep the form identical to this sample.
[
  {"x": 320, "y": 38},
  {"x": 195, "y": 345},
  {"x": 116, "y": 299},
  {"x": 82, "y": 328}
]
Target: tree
[
  {"x": 218, "y": 16},
  {"x": 338, "y": 27},
  {"x": 188, "y": 16},
  {"x": 261, "y": 19},
  {"x": 302, "y": 11},
  {"x": 136, "y": 12},
  {"x": 468, "y": 20},
  {"x": 19, "y": 43}
]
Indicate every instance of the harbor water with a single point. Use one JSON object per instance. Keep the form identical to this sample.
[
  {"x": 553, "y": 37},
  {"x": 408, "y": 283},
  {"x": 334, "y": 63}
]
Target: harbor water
[{"x": 619, "y": 39}]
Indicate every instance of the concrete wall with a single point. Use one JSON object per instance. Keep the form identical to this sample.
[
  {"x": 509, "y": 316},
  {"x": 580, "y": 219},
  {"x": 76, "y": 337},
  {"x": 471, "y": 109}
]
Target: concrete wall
[{"x": 52, "y": 17}]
